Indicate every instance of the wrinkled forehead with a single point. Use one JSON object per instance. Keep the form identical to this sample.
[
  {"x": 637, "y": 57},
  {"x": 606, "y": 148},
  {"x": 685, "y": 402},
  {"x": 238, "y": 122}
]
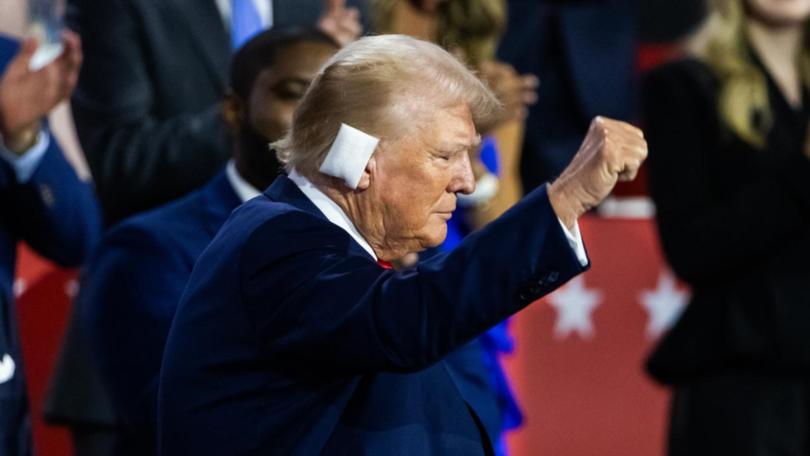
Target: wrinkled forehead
[{"x": 450, "y": 128}]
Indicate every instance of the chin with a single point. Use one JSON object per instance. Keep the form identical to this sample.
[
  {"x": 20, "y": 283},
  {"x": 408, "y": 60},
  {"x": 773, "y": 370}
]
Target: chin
[{"x": 436, "y": 236}]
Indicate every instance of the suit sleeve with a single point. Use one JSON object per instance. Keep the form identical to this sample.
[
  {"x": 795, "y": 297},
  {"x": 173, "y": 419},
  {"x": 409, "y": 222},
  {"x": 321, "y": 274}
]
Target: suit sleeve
[
  {"x": 55, "y": 212},
  {"x": 129, "y": 295},
  {"x": 319, "y": 305},
  {"x": 138, "y": 160},
  {"x": 704, "y": 237}
]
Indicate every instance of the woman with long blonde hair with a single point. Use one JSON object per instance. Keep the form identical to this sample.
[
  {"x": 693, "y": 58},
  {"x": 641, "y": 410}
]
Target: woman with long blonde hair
[{"x": 730, "y": 175}]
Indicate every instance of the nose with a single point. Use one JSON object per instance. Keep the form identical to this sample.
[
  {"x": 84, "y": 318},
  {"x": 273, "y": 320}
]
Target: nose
[{"x": 463, "y": 180}]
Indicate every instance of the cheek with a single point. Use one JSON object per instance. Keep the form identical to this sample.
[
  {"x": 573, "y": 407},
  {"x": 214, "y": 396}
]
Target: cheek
[
  {"x": 272, "y": 120},
  {"x": 409, "y": 201}
]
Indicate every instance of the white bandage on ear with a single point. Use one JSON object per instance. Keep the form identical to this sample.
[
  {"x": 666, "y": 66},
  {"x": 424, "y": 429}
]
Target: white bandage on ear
[{"x": 349, "y": 155}]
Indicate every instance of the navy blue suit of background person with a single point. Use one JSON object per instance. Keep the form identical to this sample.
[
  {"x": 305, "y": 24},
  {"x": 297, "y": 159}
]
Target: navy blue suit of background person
[
  {"x": 290, "y": 339},
  {"x": 130, "y": 290},
  {"x": 584, "y": 54},
  {"x": 56, "y": 214}
]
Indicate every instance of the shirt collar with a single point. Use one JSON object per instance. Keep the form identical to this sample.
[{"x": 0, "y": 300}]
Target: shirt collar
[
  {"x": 243, "y": 189},
  {"x": 330, "y": 209}
]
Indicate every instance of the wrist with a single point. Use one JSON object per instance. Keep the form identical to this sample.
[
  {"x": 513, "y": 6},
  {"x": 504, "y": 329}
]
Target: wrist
[
  {"x": 20, "y": 142},
  {"x": 564, "y": 203}
]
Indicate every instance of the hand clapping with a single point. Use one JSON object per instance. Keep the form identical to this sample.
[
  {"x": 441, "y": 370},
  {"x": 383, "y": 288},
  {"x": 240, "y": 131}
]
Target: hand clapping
[{"x": 28, "y": 96}]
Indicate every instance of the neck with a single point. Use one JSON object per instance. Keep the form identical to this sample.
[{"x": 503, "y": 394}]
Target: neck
[
  {"x": 361, "y": 213},
  {"x": 779, "y": 48},
  {"x": 779, "y": 43}
]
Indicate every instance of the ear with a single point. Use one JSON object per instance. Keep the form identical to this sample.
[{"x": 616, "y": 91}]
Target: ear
[
  {"x": 232, "y": 112},
  {"x": 365, "y": 178}
]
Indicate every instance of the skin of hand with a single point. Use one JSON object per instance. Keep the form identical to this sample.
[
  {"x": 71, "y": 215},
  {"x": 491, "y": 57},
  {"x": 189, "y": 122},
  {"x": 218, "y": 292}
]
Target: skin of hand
[
  {"x": 339, "y": 22},
  {"x": 28, "y": 96},
  {"x": 516, "y": 92},
  {"x": 612, "y": 151}
]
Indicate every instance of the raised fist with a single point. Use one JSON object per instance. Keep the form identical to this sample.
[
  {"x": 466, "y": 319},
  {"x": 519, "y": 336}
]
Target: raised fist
[{"x": 612, "y": 151}]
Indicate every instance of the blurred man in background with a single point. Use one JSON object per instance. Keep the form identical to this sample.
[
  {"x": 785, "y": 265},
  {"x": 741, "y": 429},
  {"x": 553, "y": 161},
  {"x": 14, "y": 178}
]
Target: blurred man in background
[
  {"x": 147, "y": 108},
  {"x": 584, "y": 54},
  {"x": 42, "y": 202}
]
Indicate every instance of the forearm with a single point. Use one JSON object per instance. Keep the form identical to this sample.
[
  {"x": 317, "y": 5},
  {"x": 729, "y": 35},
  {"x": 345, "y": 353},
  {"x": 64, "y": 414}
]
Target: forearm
[{"x": 404, "y": 321}]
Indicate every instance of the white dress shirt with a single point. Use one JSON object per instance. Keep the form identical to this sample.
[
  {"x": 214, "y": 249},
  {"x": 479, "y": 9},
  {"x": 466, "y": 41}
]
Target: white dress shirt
[
  {"x": 243, "y": 189},
  {"x": 335, "y": 214},
  {"x": 263, "y": 7},
  {"x": 26, "y": 164}
]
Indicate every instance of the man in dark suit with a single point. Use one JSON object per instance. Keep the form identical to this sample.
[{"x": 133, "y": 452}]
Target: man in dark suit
[
  {"x": 131, "y": 286},
  {"x": 293, "y": 336},
  {"x": 42, "y": 202},
  {"x": 584, "y": 53},
  {"x": 147, "y": 108}
]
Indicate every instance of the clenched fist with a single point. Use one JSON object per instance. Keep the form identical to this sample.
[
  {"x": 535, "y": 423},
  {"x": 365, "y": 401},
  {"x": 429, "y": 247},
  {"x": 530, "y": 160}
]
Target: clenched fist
[{"x": 612, "y": 151}]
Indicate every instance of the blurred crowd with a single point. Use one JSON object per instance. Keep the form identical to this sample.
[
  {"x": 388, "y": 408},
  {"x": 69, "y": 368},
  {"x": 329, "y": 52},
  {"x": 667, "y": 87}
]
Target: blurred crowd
[{"x": 175, "y": 103}]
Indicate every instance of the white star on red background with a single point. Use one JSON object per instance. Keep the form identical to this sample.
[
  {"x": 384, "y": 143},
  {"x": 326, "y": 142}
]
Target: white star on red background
[
  {"x": 664, "y": 304},
  {"x": 574, "y": 304}
]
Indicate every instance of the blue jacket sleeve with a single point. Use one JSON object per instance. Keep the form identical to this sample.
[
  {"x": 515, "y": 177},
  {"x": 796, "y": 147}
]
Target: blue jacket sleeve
[
  {"x": 317, "y": 304},
  {"x": 55, "y": 212},
  {"x": 129, "y": 295}
]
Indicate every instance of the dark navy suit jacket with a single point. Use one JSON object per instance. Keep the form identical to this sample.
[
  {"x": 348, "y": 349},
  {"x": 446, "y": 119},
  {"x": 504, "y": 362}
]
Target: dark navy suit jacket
[
  {"x": 130, "y": 289},
  {"x": 290, "y": 339},
  {"x": 56, "y": 214},
  {"x": 584, "y": 53},
  {"x": 129, "y": 294}
]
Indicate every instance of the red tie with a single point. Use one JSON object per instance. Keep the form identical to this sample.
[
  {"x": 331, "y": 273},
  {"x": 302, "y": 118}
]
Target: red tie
[{"x": 385, "y": 265}]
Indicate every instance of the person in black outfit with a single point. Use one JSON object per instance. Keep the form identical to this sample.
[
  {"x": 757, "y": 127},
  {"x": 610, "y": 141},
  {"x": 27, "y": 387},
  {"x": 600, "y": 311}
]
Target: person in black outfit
[{"x": 730, "y": 175}]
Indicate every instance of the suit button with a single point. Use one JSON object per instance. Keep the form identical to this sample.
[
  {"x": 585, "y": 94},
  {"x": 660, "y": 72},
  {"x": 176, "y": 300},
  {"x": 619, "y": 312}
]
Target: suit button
[
  {"x": 553, "y": 276},
  {"x": 46, "y": 194}
]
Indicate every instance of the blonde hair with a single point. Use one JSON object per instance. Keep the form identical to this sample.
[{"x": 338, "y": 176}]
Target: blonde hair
[
  {"x": 470, "y": 26},
  {"x": 384, "y": 85},
  {"x": 743, "y": 104}
]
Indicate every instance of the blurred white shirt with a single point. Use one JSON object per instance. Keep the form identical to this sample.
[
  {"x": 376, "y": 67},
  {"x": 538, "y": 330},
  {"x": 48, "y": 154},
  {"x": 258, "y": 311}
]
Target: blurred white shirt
[{"x": 264, "y": 8}]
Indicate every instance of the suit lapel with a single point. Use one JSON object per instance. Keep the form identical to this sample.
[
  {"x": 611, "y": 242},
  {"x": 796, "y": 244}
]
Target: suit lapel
[
  {"x": 283, "y": 190},
  {"x": 206, "y": 30}
]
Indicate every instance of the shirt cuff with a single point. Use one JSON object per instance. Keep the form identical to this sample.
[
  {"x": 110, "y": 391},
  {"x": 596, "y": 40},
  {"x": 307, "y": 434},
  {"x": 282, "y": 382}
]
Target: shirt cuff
[
  {"x": 26, "y": 164},
  {"x": 575, "y": 241}
]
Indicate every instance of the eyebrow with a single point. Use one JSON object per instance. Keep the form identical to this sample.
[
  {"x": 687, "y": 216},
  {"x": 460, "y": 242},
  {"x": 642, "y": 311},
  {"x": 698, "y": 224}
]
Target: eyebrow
[{"x": 454, "y": 145}]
